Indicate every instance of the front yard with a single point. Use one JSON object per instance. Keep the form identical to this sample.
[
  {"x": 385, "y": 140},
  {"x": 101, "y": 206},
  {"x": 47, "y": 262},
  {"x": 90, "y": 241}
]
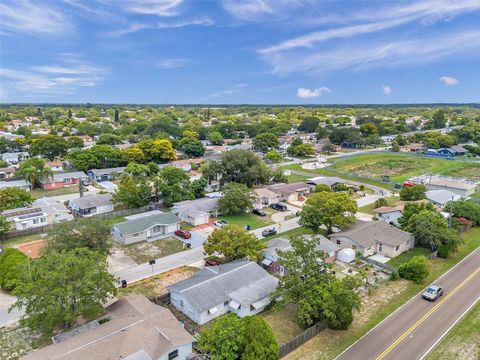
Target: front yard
[
  {"x": 144, "y": 251},
  {"x": 253, "y": 220}
]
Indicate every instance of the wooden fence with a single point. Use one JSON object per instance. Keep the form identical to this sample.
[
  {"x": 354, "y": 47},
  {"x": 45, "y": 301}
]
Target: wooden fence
[
  {"x": 13, "y": 234},
  {"x": 301, "y": 339},
  {"x": 122, "y": 212}
]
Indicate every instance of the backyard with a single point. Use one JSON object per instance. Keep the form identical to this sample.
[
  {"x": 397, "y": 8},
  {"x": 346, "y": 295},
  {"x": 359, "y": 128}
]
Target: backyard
[
  {"x": 144, "y": 251},
  {"x": 407, "y": 255},
  {"x": 39, "y": 193},
  {"x": 368, "y": 209}
]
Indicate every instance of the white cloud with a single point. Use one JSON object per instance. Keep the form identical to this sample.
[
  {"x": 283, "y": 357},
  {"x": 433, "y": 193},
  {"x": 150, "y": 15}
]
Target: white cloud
[
  {"x": 33, "y": 18},
  {"x": 311, "y": 93},
  {"x": 449, "y": 81},
  {"x": 171, "y": 63},
  {"x": 162, "y": 8},
  {"x": 248, "y": 9},
  {"x": 387, "y": 90}
]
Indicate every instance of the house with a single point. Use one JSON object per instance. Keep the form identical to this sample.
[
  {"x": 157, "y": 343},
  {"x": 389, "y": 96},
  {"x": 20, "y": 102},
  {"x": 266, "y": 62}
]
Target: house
[
  {"x": 331, "y": 181},
  {"x": 137, "y": 329},
  {"x": 196, "y": 212},
  {"x": 19, "y": 184},
  {"x": 55, "y": 166},
  {"x": 455, "y": 150},
  {"x": 270, "y": 255},
  {"x": 185, "y": 165},
  {"x": 291, "y": 192},
  {"x": 371, "y": 237},
  {"x": 389, "y": 214},
  {"x": 14, "y": 158},
  {"x": 25, "y": 218},
  {"x": 56, "y": 211},
  {"x": 413, "y": 147},
  {"x": 442, "y": 196},
  {"x": 60, "y": 180},
  {"x": 7, "y": 173},
  {"x": 265, "y": 197},
  {"x": 150, "y": 227},
  {"x": 105, "y": 174},
  {"x": 90, "y": 205},
  {"x": 463, "y": 187},
  {"x": 241, "y": 287}
]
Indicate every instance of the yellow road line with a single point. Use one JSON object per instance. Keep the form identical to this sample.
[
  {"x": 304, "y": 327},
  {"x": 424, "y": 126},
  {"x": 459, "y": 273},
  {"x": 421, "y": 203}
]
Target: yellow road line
[{"x": 424, "y": 317}]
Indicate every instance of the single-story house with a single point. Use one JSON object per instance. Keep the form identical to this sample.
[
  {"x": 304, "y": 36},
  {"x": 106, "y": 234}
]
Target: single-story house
[
  {"x": 55, "y": 166},
  {"x": 105, "y": 174},
  {"x": 14, "y": 158},
  {"x": 7, "y": 173},
  {"x": 25, "y": 218},
  {"x": 90, "y": 205},
  {"x": 331, "y": 181},
  {"x": 291, "y": 192},
  {"x": 137, "y": 329},
  {"x": 56, "y": 211},
  {"x": 390, "y": 214},
  {"x": 196, "y": 212},
  {"x": 19, "y": 184},
  {"x": 460, "y": 186},
  {"x": 413, "y": 147},
  {"x": 61, "y": 180},
  {"x": 146, "y": 228},
  {"x": 442, "y": 197},
  {"x": 265, "y": 197},
  {"x": 242, "y": 287},
  {"x": 371, "y": 237},
  {"x": 455, "y": 150},
  {"x": 185, "y": 165}
]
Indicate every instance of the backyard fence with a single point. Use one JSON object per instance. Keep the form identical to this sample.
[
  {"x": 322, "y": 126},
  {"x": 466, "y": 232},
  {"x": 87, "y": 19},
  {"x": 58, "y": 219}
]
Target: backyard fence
[
  {"x": 301, "y": 339},
  {"x": 122, "y": 212},
  {"x": 385, "y": 267},
  {"x": 26, "y": 232}
]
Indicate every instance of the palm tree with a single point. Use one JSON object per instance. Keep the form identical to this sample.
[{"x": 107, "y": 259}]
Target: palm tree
[{"x": 34, "y": 170}]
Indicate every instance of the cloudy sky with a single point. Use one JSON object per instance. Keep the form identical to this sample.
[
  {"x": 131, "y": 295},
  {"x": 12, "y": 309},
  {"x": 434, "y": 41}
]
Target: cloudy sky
[{"x": 239, "y": 51}]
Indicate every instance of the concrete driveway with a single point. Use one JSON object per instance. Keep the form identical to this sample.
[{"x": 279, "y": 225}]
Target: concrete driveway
[
  {"x": 195, "y": 241},
  {"x": 8, "y": 318}
]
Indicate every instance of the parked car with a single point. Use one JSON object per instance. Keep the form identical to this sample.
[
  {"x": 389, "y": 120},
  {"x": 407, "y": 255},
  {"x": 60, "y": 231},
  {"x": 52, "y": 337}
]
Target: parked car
[
  {"x": 220, "y": 223},
  {"x": 259, "y": 212},
  {"x": 269, "y": 232},
  {"x": 279, "y": 207},
  {"x": 211, "y": 262},
  {"x": 432, "y": 293},
  {"x": 184, "y": 234}
]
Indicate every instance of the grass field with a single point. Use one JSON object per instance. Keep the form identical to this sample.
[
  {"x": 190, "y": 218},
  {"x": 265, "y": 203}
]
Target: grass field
[
  {"x": 328, "y": 344},
  {"x": 463, "y": 341},
  {"x": 407, "y": 255},
  {"x": 293, "y": 178},
  {"x": 368, "y": 209},
  {"x": 254, "y": 221}
]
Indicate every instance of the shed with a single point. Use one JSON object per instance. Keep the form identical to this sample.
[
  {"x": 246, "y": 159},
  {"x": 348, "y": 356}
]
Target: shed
[{"x": 346, "y": 255}]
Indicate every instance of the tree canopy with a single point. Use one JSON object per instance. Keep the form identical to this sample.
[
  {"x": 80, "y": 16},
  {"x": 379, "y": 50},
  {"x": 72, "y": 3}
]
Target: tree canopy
[
  {"x": 11, "y": 261},
  {"x": 265, "y": 142},
  {"x": 413, "y": 193},
  {"x": 12, "y": 198},
  {"x": 49, "y": 146},
  {"x": 237, "y": 199},
  {"x": 132, "y": 193}
]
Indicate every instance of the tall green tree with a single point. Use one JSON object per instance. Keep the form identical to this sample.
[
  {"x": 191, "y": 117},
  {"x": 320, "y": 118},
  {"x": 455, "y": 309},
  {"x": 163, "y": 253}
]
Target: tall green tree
[
  {"x": 192, "y": 147},
  {"x": 11, "y": 261},
  {"x": 466, "y": 208},
  {"x": 329, "y": 209},
  {"x": 174, "y": 184},
  {"x": 4, "y": 225},
  {"x": 132, "y": 193},
  {"x": 34, "y": 170},
  {"x": 49, "y": 146},
  {"x": 237, "y": 199},
  {"x": 61, "y": 287},
  {"x": 265, "y": 142},
  {"x": 234, "y": 243},
  {"x": 413, "y": 193},
  {"x": 12, "y": 198},
  {"x": 243, "y": 167},
  {"x": 216, "y": 138}
]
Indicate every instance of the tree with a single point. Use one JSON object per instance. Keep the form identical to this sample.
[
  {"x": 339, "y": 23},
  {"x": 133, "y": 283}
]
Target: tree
[
  {"x": 395, "y": 146},
  {"x": 265, "y": 142},
  {"x": 438, "y": 119},
  {"x": 198, "y": 187},
  {"x": 309, "y": 124},
  {"x": 132, "y": 193},
  {"x": 230, "y": 337},
  {"x": 57, "y": 289},
  {"x": 137, "y": 169},
  {"x": 400, "y": 140},
  {"x": 243, "y": 167},
  {"x": 153, "y": 169},
  {"x": 234, "y": 243},
  {"x": 49, "y": 146},
  {"x": 93, "y": 234},
  {"x": 416, "y": 269},
  {"x": 11, "y": 261},
  {"x": 301, "y": 150},
  {"x": 381, "y": 202},
  {"x": 323, "y": 187},
  {"x": 158, "y": 150},
  {"x": 273, "y": 156},
  {"x": 134, "y": 154},
  {"x": 74, "y": 142},
  {"x": 278, "y": 176},
  {"x": 328, "y": 147},
  {"x": 467, "y": 209},
  {"x": 237, "y": 199},
  {"x": 83, "y": 160},
  {"x": 174, "y": 184},
  {"x": 192, "y": 147},
  {"x": 413, "y": 193},
  {"x": 109, "y": 139},
  {"x": 216, "y": 138},
  {"x": 116, "y": 117},
  {"x": 413, "y": 208},
  {"x": 4, "y": 225},
  {"x": 12, "y": 198},
  {"x": 34, "y": 170},
  {"x": 329, "y": 209}
]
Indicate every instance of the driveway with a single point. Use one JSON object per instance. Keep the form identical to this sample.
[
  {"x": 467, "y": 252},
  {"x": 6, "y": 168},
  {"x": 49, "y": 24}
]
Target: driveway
[
  {"x": 195, "y": 241},
  {"x": 367, "y": 200},
  {"x": 8, "y": 318},
  {"x": 118, "y": 260},
  {"x": 280, "y": 227}
]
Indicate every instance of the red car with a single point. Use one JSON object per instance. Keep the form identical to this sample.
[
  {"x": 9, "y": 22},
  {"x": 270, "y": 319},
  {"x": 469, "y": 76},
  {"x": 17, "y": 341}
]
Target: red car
[
  {"x": 211, "y": 262},
  {"x": 184, "y": 234}
]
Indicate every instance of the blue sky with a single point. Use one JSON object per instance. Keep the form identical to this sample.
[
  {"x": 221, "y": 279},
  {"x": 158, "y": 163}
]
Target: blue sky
[{"x": 239, "y": 51}]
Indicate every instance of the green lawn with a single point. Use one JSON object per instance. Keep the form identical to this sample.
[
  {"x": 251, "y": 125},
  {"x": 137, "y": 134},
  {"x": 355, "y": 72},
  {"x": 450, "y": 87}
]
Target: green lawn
[
  {"x": 293, "y": 178},
  {"x": 38, "y": 193},
  {"x": 463, "y": 341},
  {"x": 400, "y": 259},
  {"x": 144, "y": 251},
  {"x": 368, "y": 209},
  {"x": 254, "y": 221}
]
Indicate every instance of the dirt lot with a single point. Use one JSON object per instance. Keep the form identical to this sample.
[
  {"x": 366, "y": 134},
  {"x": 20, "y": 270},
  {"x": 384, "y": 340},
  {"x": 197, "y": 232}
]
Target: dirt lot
[
  {"x": 144, "y": 251},
  {"x": 329, "y": 343},
  {"x": 386, "y": 167},
  {"x": 15, "y": 342},
  {"x": 284, "y": 323},
  {"x": 156, "y": 285}
]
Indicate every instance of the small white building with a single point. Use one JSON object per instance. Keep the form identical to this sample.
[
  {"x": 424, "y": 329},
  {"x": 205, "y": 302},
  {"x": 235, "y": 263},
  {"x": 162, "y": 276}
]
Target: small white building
[
  {"x": 442, "y": 197},
  {"x": 90, "y": 205},
  {"x": 25, "y": 218}
]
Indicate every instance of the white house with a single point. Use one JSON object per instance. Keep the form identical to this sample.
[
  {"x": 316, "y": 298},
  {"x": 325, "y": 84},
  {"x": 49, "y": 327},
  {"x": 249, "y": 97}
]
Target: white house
[
  {"x": 241, "y": 287},
  {"x": 19, "y": 184},
  {"x": 90, "y": 205},
  {"x": 442, "y": 197},
  {"x": 265, "y": 197},
  {"x": 56, "y": 211},
  {"x": 196, "y": 212},
  {"x": 25, "y": 218}
]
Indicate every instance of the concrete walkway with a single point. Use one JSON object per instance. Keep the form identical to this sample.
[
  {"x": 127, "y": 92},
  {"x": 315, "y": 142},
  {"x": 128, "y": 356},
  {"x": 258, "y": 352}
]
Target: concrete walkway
[{"x": 8, "y": 318}]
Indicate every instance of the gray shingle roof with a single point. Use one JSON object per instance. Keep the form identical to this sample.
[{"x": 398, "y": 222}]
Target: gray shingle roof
[
  {"x": 14, "y": 183},
  {"x": 99, "y": 172},
  {"x": 442, "y": 196},
  {"x": 203, "y": 204},
  {"x": 141, "y": 224},
  {"x": 69, "y": 175},
  {"x": 243, "y": 280},
  {"x": 91, "y": 201},
  {"x": 366, "y": 233}
]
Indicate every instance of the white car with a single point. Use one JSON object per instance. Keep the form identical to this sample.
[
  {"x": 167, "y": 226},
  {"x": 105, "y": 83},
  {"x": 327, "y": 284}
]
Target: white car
[{"x": 220, "y": 223}]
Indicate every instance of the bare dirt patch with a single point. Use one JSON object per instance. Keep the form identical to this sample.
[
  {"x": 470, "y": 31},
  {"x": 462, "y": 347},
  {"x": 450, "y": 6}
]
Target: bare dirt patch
[
  {"x": 144, "y": 251},
  {"x": 386, "y": 167},
  {"x": 16, "y": 342}
]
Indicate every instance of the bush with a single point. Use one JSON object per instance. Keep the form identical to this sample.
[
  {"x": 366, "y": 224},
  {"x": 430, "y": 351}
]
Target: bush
[
  {"x": 323, "y": 187},
  {"x": 413, "y": 193},
  {"x": 416, "y": 269},
  {"x": 394, "y": 276},
  {"x": 380, "y": 202},
  {"x": 11, "y": 262}
]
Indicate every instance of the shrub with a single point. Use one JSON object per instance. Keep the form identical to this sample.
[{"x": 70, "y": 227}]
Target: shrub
[
  {"x": 416, "y": 269},
  {"x": 394, "y": 276},
  {"x": 413, "y": 193},
  {"x": 380, "y": 202},
  {"x": 323, "y": 187},
  {"x": 11, "y": 261}
]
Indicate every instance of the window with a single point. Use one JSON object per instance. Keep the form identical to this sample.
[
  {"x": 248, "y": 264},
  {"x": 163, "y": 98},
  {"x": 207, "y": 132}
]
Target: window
[
  {"x": 338, "y": 242},
  {"x": 43, "y": 220},
  {"x": 225, "y": 303},
  {"x": 173, "y": 355},
  {"x": 135, "y": 235},
  {"x": 35, "y": 221}
]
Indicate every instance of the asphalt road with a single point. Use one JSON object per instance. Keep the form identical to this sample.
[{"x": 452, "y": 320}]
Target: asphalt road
[{"x": 415, "y": 328}]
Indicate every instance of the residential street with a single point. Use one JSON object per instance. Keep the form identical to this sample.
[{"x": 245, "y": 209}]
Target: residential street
[{"x": 415, "y": 328}]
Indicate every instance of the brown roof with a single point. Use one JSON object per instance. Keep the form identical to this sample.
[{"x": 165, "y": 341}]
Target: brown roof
[
  {"x": 54, "y": 163},
  {"x": 287, "y": 189},
  {"x": 137, "y": 326},
  {"x": 387, "y": 209}
]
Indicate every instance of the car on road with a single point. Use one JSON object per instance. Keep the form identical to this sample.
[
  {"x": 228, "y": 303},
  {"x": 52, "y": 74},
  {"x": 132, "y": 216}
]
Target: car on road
[
  {"x": 269, "y": 232},
  {"x": 211, "y": 262},
  {"x": 220, "y": 223},
  {"x": 279, "y": 207},
  {"x": 259, "y": 212},
  {"x": 184, "y": 234},
  {"x": 432, "y": 293}
]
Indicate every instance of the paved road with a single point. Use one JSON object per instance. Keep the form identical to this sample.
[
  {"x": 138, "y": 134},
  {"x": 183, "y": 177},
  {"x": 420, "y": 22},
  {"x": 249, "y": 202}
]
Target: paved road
[
  {"x": 12, "y": 317},
  {"x": 414, "y": 329}
]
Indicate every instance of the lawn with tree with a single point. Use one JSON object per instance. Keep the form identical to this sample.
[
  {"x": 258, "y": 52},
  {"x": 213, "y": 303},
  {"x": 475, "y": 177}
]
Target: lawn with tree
[{"x": 237, "y": 199}]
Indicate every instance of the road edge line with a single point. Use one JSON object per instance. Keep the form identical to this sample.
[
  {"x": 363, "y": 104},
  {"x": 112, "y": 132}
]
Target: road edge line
[
  {"x": 413, "y": 297},
  {"x": 450, "y": 328}
]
